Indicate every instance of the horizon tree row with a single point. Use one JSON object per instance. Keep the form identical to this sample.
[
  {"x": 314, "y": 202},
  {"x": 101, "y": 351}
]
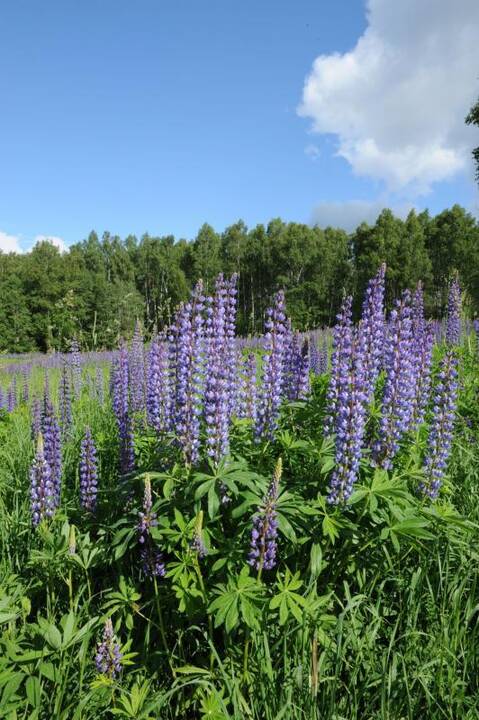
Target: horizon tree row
[{"x": 99, "y": 288}]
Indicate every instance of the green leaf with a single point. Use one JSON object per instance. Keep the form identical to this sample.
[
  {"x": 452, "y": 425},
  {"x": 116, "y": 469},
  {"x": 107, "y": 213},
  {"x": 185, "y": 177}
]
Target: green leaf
[
  {"x": 213, "y": 501},
  {"x": 413, "y": 527},
  {"x": 34, "y": 691},
  {"x": 68, "y": 628},
  {"x": 191, "y": 670},
  {"x": 53, "y": 637},
  {"x": 316, "y": 560},
  {"x": 202, "y": 489}
]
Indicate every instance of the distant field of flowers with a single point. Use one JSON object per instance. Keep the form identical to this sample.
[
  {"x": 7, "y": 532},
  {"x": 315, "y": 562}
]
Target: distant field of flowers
[{"x": 205, "y": 526}]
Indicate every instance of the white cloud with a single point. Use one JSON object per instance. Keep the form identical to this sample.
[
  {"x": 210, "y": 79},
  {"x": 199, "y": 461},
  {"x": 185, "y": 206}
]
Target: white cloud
[
  {"x": 348, "y": 215},
  {"x": 57, "y": 241},
  {"x": 397, "y": 101},
  {"x": 9, "y": 243},
  {"x": 312, "y": 151}
]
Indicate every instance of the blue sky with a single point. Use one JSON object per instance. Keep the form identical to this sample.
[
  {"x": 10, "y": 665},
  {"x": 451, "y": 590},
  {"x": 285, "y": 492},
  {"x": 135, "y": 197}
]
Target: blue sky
[{"x": 158, "y": 116}]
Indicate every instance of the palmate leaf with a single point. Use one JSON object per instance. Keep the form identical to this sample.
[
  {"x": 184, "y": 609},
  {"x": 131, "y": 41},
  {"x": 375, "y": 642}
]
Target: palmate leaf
[
  {"x": 390, "y": 490},
  {"x": 231, "y": 476},
  {"x": 410, "y": 526},
  {"x": 289, "y": 443},
  {"x": 240, "y": 598},
  {"x": 286, "y": 600},
  {"x": 447, "y": 514}
]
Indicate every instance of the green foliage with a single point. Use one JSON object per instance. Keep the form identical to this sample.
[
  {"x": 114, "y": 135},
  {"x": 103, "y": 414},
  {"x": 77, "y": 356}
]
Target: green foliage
[
  {"x": 99, "y": 288},
  {"x": 370, "y": 613}
]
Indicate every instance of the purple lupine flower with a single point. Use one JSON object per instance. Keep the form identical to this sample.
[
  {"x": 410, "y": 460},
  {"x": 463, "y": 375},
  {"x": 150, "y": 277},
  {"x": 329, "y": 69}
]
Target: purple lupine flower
[
  {"x": 65, "y": 400},
  {"x": 423, "y": 360},
  {"x": 216, "y": 393},
  {"x": 340, "y": 360},
  {"x": 303, "y": 379},
  {"x": 137, "y": 371},
  {"x": 26, "y": 386},
  {"x": 318, "y": 356},
  {"x": 151, "y": 557},
  {"x": 42, "y": 491},
  {"x": 422, "y": 345},
  {"x": 108, "y": 654},
  {"x": 323, "y": 358},
  {"x": 147, "y": 517},
  {"x": 264, "y": 533},
  {"x": 127, "y": 446},
  {"x": 373, "y": 329},
  {"x": 248, "y": 390},
  {"x": 350, "y": 419},
  {"x": 2, "y": 398},
  {"x": 88, "y": 472},
  {"x": 100, "y": 385},
  {"x": 475, "y": 325},
  {"x": 75, "y": 364},
  {"x": 442, "y": 424},
  {"x": 152, "y": 562},
  {"x": 292, "y": 362},
  {"x": 399, "y": 386},
  {"x": 12, "y": 395},
  {"x": 296, "y": 385},
  {"x": 271, "y": 386},
  {"x": 231, "y": 351},
  {"x": 36, "y": 415},
  {"x": 453, "y": 326},
  {"x": 188, "y": 337},
  {"x": 120, "y": 389},
  {"x": 52, "y": 447},
  {"x": 158, "y": 400},
  {"x": 314, "y": 359},
  {"x": 46, "y": 389}
]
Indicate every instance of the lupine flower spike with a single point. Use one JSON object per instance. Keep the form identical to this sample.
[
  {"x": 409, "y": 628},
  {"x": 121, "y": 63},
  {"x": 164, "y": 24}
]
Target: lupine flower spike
[
  {"x": 216, "y": 394},
  {"x": 151, "y": 557},
  {"x": 354, "y": 388},
  {"x": 264, "y": 534},
  {"x": 440, "y": 433},
  {"x": 88, "y": 472},
  {"x": 197, "y": 544},
  {"x": 42, "y": 491},
  {"x": 399, "y": 386},
  {"x": 373, "y": 329},
  {"x": 269, "y": 400},
  {"x": 108, "y": 654},
  {"x": 453, "y": 326},
  {"x": 53, "y": 447},
  {"x": 340, "y": 360},
  {"x": 187, "y": 365}
]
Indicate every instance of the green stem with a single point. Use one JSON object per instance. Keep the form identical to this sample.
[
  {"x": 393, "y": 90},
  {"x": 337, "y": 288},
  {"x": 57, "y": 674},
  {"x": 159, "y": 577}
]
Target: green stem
[
  {"x": 70, "y": 589},
  {"x": 248, "y": 633},
  {"x": 205, "y": 600},
  {"x": 162, "y": 628}
]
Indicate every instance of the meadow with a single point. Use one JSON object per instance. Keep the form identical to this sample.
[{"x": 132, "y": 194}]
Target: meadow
[{"x": 204, "y": 526}]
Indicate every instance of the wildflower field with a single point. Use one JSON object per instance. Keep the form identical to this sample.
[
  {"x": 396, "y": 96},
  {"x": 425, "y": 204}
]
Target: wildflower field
[{"x": 203, "y": 526}]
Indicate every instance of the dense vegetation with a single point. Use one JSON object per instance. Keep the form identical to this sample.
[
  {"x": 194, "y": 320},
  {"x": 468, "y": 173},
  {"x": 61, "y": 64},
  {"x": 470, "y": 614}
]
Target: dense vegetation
[
  {"x": 245, "y": 532},
  {"x": 99, "y": 288}
]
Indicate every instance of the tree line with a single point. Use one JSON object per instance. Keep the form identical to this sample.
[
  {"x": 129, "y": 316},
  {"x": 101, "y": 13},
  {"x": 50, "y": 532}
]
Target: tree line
[{"x": 99, "y": 288}]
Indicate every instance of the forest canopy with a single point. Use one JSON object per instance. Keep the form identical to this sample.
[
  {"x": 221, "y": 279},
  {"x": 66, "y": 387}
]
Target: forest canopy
[{"x": 99, "y": 288}]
